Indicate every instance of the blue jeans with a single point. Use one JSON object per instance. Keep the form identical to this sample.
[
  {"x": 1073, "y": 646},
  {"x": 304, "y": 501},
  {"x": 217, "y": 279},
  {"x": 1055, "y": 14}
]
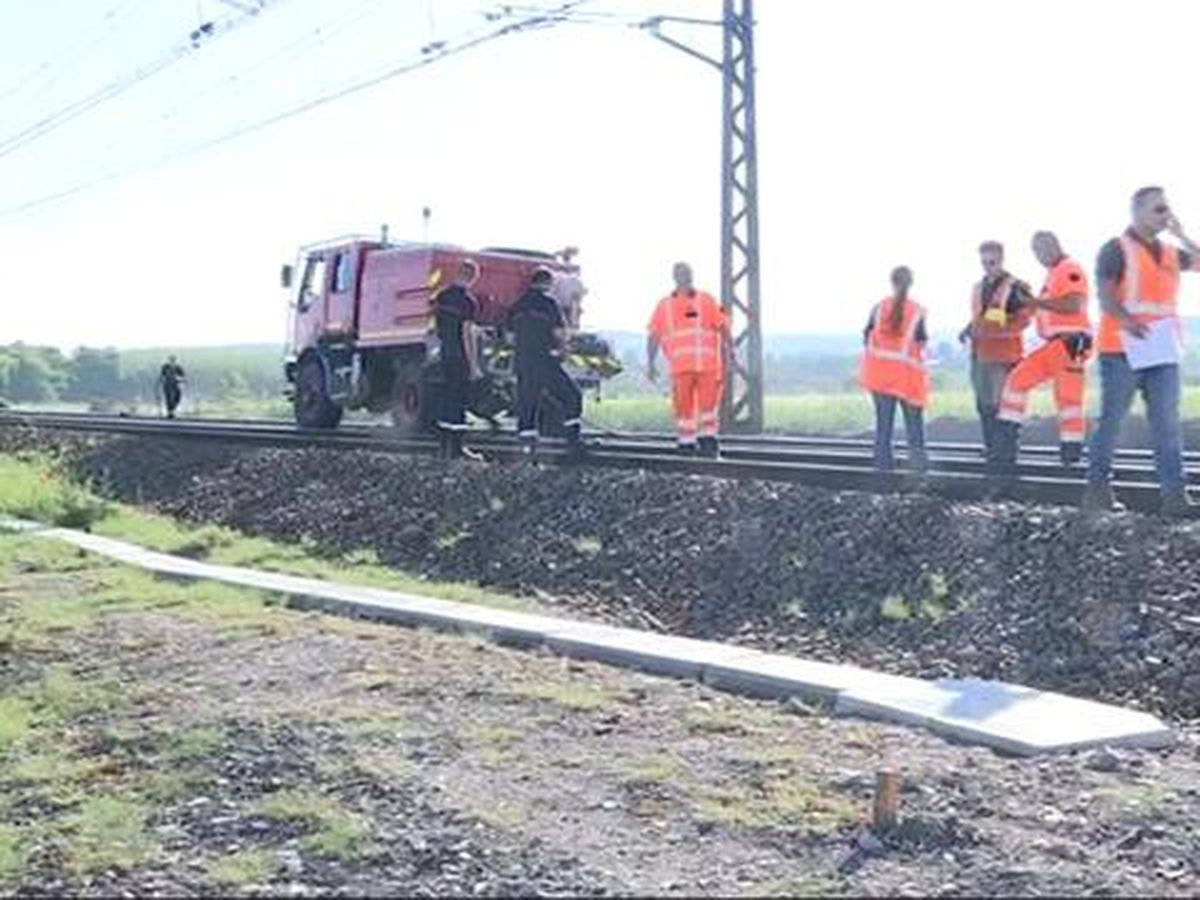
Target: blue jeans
[
  {"x": 885, "y": 422},
  {"x": 1159, "y": 386}
]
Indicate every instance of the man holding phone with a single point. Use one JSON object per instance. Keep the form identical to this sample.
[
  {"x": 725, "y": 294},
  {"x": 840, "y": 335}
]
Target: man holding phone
[{"x": 1137, "y": 279}]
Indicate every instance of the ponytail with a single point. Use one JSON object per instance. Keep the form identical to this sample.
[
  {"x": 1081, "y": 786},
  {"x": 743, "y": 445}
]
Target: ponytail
[{"x": 901, "y": 278}]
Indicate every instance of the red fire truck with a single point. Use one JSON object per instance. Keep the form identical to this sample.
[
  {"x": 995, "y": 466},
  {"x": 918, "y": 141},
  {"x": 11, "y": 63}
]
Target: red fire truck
[{"x": 362, "y": 333}]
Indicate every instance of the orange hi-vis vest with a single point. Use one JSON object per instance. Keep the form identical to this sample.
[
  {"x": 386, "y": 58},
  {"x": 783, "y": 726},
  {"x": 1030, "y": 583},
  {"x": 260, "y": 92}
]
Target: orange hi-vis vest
[
  {"x": 992, "y": 341},
  {"x": 1148, "y": 290},
  {"x": 688, "y": 327},
  {"x": 893, "y": 362},
  {"x": 1065, "y": 278}
]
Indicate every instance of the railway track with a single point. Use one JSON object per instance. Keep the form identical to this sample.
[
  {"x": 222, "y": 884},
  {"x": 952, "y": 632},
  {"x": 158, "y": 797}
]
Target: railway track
[{"x": 956, "y": 469}]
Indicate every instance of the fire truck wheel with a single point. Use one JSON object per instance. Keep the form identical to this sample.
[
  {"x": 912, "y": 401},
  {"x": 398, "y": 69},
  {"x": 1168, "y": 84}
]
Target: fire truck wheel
[
  {"x": 313, "y": 406},
  {"x": 412, "y": 396}
]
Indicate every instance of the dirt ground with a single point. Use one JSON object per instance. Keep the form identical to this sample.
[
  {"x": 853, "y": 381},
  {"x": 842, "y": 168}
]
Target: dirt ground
[
  {"x": 275, "y": 751},
  {"x": 1103, "y": 608}
]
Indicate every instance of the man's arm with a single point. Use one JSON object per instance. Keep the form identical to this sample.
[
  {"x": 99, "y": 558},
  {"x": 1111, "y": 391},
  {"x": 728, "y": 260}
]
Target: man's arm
[
  {"x": 651, "y": 357},
  {"x": 1192, "y": 248},
  {"x": 1066, "y": 305},
  {"x": 1110, "y": 305}
]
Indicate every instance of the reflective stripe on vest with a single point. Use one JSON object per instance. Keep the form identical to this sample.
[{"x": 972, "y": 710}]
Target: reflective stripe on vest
[
  {"x": 1131, "y": 288},
  {"x": 685, "y": 336},
  {"x": 904, "y": 352}
]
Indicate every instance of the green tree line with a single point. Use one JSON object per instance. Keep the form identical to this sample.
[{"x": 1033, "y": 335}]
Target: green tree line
[{"x": 109, "y": 377}]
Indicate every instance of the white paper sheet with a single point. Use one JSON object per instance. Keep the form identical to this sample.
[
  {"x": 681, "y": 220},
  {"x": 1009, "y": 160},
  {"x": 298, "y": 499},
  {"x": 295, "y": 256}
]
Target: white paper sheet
[{"x": 1162, "y": 344}]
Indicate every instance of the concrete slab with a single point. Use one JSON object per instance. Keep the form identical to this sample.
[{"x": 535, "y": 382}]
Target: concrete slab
[
  {"x": 658, "y": 653},
  {"x": 313, "y": 593},
  {"x": 1006, "y": 717},
  {"x": 1015, "y": 719},
  {"x": 774, "y": 676}
]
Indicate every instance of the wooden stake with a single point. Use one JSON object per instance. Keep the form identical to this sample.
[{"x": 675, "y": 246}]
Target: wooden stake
[{"x": 887, "y": 800}]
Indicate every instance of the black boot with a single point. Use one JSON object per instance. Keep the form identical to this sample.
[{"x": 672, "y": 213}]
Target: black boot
[
  {"x": 445, "y": 446},
  {"x": 1071, "y": 453},
  {"x": 708, "y": 448},
  {"x": 575, "y": 446},
  {"x": 1006, "y": 437},
  {"x": 686, "y": 448}
]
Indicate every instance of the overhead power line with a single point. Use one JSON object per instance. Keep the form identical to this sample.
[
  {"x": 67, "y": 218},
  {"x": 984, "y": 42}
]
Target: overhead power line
[
  {"x": 51, "y": 71},
  {"x": 202, "y": 35},
  {"x": 428, "y": 55}
]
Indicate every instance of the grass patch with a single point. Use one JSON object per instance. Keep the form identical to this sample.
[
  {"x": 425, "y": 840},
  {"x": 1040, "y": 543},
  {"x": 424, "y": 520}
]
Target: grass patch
[
  {"x": 895, "y": 609},
  {"x": 334, "y": 831},
  {"x": 342, "y": 836},
  {"x": 20, "y": 552},
  {"x": 212, "y": 543},
  {"x": 243, "y": 868},
  {"x": 568, "y": 694},
  {"x": 730, "y": 720},
  {"x": 661, "y": 769},
  {"x": 51, "y": 765},
  {"x": 30, "y": 488},
  {"x": 166, "y": 786},
  {"x": 195, "y": 744},
  {"x": 16, "y": 720},
  {"x": 13, "y": 853},
  {"x": 109, "y": 833},
  {"x": 783, "y": 800}
]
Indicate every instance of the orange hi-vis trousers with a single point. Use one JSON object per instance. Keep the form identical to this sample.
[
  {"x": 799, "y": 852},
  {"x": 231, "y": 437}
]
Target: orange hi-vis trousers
[
  {"x": 1051, "y": 361},
  {"x": 697, "y": 400}
]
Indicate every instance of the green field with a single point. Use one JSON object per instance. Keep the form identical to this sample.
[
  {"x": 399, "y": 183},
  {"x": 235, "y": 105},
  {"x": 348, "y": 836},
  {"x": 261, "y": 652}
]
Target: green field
[
  {"x": 829, "y": 413},
  {"x": 815, "y": 413}
]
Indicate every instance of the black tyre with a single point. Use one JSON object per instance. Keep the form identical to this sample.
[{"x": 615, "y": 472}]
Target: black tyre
[
  {"x": 313, "y": 406},
  {"x": 413, "y": 408}
]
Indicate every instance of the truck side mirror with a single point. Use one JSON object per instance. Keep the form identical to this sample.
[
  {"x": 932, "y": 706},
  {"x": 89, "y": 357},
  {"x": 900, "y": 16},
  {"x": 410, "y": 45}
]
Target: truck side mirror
[{"x": 285, "y": 276}]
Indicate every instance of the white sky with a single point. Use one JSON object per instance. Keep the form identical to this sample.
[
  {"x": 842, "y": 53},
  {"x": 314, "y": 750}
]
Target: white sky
[{"x": 889, "y": 132}]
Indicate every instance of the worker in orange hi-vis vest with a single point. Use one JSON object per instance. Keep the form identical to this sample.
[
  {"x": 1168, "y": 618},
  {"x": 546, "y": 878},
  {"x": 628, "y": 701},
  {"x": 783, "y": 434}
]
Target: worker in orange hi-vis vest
[
  {"x": 893, "y": 370},
  {"x": 1061, "y": 316},
  {"x": 994, "y": 332},
  {"x": 692, "y": 331}
]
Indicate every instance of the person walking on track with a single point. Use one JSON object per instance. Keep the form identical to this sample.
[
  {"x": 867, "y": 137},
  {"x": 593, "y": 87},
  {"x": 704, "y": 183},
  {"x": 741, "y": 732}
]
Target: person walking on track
[
  {"x": 540, "y": 330},
  {"x": 691, "y": 329}
]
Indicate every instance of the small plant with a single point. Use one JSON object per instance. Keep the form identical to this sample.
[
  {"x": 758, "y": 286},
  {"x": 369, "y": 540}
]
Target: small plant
[
  {"x": 243, "y": 868},
  {"x": 12, "y": 853},
  {"x": 110, "y": 833}
]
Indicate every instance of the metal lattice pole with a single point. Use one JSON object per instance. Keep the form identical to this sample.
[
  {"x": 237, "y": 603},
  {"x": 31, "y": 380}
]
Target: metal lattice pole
[{"x": 742, "y": 401}]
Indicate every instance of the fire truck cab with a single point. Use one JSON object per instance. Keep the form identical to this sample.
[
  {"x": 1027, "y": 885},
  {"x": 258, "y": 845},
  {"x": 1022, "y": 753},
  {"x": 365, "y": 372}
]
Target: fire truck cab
[{"x": 362, "y": 334}]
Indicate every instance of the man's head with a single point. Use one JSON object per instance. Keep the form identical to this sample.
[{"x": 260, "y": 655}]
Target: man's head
[
  {"x": 1046, "y": 248},
  {"x": 991, "y": 256},
  {"x": 902, "y": 279},
  {"x": 682, "y": 273},
  {"x": 542, "y": 279},
  {"x": 468, "y": 271},
  {"x": 172, "y": 359},
  {"x": 1151, "y": 213}
]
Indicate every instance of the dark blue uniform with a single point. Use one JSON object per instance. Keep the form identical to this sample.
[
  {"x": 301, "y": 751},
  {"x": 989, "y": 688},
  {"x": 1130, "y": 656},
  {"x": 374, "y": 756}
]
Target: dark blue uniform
[
  {"x": 453, "y": 308},
  {"x": 533, "y": 320}
]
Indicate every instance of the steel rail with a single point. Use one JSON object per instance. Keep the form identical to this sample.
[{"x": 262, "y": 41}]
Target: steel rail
[{"x": 956, "y": 470}]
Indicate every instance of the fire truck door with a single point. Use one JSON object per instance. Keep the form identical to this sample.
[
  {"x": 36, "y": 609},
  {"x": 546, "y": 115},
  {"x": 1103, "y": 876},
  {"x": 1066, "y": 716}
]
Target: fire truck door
[{"x": 339, "y": 303}]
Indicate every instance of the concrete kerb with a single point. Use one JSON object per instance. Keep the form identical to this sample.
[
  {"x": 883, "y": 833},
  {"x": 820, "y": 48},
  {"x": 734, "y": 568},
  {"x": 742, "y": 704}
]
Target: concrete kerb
[{"x": 1008, "y": 718}]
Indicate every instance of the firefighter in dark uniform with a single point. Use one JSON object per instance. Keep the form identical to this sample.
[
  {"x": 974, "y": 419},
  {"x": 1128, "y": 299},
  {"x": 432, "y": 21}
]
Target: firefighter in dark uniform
[
  {"x": 455, "y": 308},
  {"x": 540, "y": 331},
  {"x": 170, "y": 383}
]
